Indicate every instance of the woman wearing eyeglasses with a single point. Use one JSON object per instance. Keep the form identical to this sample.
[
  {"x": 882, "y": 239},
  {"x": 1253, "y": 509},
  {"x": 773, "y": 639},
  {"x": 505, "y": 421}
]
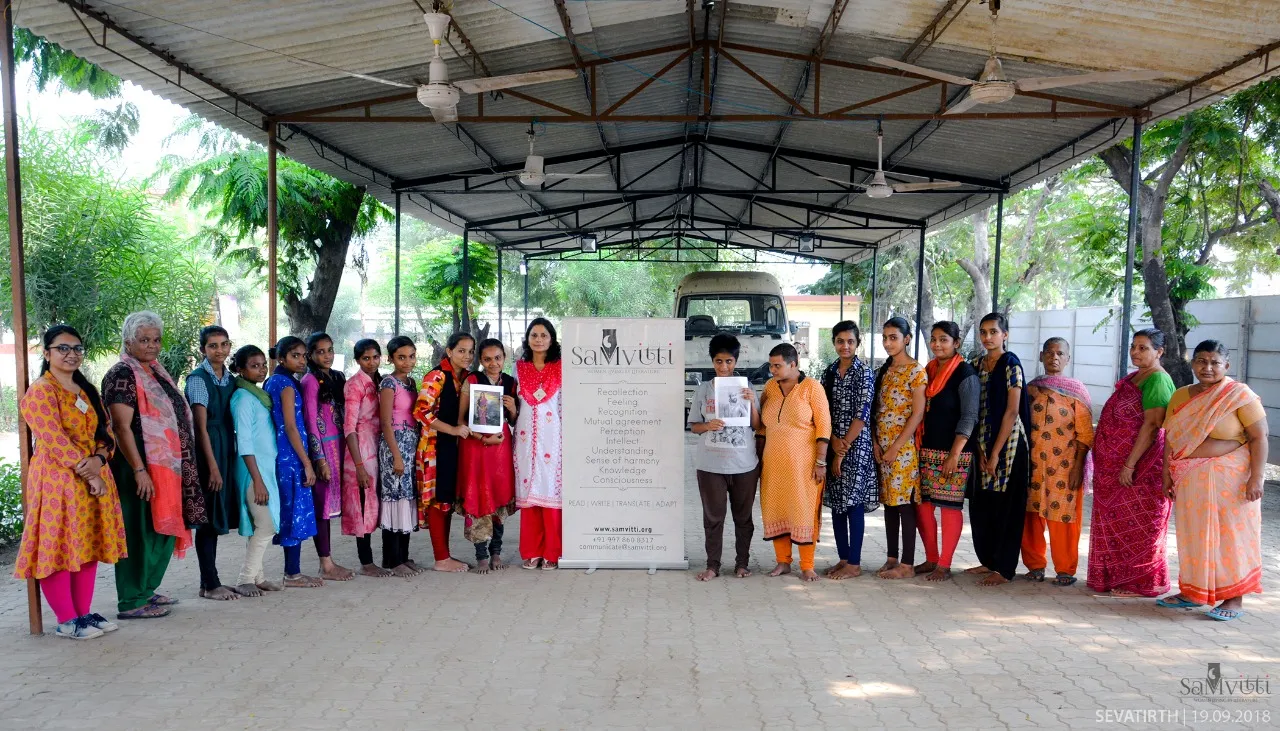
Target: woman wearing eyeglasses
[{"x": 73, "y": 511}]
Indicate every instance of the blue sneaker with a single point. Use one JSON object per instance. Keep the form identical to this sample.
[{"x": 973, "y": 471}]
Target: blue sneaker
[
  {"x": 78, "y": 629},
  {"x": 101, "y": 622}
]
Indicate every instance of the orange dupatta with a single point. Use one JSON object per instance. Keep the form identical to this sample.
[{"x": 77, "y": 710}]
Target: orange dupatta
[
  {"x": 1190, "y": 424},
  {"x": 938, "y": 378}
]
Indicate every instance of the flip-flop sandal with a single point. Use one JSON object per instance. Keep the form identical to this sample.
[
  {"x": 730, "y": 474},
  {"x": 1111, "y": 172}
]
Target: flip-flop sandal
[
  {"x": 1176, "y": 602},
  {"x": 1036, "y": 575},
  {"x": 147, "y": 611},
  {"x": 1224, "y": 615},
  {"x": 1064, "y": 580},
  {"x": 532, "y": 564},
  {"x": 160, "y": 600}
]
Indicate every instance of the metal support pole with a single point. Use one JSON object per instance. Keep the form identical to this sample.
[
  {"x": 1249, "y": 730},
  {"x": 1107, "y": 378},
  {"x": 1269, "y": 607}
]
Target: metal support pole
[
  {"x": 17, "y": 285},
  {"x": 995, "y": 276},
  {"x": 395, "y": 326},
  {"x": 525, "y": 268},
  {"x": 841, "y": 290},
  {"x": 919, "y": 296},
  {"x": 273, "y": 234},
  {"x": 466, "y": 280},
  {"x": 500, "y": 257},
  {"x": 871, "y": 321},
  {"x": 1135, "y": 187}
]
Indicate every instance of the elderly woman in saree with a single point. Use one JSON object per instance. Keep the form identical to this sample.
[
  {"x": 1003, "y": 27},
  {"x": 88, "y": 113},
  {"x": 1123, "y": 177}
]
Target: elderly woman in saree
[
  {"x": 1130, "y": 509},
  {"x": 1215, "y": 456},
  {"x": 154, "y": 467}
]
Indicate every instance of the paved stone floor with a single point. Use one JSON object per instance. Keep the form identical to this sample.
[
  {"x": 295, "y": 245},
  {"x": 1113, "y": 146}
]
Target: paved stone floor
[{"x": 542, "y": 650}]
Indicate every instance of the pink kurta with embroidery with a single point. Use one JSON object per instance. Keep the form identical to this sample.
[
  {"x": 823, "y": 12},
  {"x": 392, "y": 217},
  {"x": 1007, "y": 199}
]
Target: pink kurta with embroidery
[{"x": 360, "y": 417}]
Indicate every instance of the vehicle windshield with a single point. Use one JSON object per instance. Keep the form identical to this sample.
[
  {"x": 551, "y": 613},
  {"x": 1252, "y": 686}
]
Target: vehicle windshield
[{"x": 707, "y": 314}]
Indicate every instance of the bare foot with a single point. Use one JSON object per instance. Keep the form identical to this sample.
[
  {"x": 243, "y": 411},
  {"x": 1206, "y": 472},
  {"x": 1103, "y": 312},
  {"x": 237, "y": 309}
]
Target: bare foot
[
  {"x": 979, "y": 570},
  {"x": 452, "y": 566},
  {"x": 270, "y": 586},
  {"x": 496, "y": 563},
  {"x": 415, "y": 568},
  {"x": 850, "y": 571},
  {"x": 707, "y": 575},
  {"x": 780, "y": 569},
  {"x": 481, "y": 567},
  {"x": 887, "y": 565},
  {"x": 809, "y": 575},
  {"x": 901, "y": 571},
  {"x": 302, "y": 581},
  {"x": 926, "y": 567},
  {"x": 221, "y": 594},
  {"x": 941, "y": 573},
  {"x": 248, "y": 590},
  {"x": 741, "y": 572},
  {"x": 403, "y": 571},
  {"x": 374, "y": 570},
  {"x": 333, "y": 572},
  {"x": 833, "y": 569},
  {"x": 993, "y": 579}
]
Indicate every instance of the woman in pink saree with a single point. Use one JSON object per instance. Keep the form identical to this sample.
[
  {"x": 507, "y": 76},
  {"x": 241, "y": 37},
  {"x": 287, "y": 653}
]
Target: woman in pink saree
[
  {"x": 1215, "y": 457},
  {"x": 1130, "y": 508}
]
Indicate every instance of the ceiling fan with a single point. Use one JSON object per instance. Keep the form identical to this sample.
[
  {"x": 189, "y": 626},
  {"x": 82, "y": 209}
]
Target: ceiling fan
[
  {"x": 879, "y": 187},
  {"x": 441, "y": 95},
  {"x": 533, "y": 175},
  {"x": 993, "y": 87}
]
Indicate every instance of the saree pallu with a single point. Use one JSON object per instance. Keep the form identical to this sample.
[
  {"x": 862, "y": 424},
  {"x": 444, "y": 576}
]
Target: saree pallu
[
  {"x": 1128, "y": 524},
  {"x": 1219, "y": 531},
  {"x": 942, "y": 491}
]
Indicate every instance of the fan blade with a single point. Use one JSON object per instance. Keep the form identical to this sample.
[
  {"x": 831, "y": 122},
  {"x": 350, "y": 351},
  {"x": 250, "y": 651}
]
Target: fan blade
[
  {"x": 913, "y": 187},
  {"x": 577, "y": 175},
  {"x": 939, "y": 75},
  {"x": 1102, "y": 77},
  {"x": 846, "y": 183},
  {"x": 352, "y": 74},
  {"x": 964, "y": 105},
  {"x": 497, "y": 83},
  {"x": 445, "y": 115}
]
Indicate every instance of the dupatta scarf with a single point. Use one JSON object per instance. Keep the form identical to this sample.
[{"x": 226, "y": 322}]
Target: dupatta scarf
[{"x": 162, "y": 446}]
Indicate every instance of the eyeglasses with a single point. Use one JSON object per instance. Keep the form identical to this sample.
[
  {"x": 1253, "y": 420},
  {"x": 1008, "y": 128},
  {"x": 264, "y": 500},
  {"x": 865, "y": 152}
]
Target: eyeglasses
[{"x": 65, "y": 350}]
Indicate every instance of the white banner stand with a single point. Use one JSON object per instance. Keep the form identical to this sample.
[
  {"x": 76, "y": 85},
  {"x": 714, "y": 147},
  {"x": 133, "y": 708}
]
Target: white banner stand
[{"x": 623, "y": 444}]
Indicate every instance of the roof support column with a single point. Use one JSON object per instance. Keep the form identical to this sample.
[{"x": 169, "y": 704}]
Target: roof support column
[
  {"x": 501, "y": 257},
  {"x": 871, "y": 318},
  {"x": 919, "y": 296},
  {"x": 273, "y": 235},
  {"x": 995, "y": 275},
  {"x": 395, "y": 326},
  {"x": 466, "y": 280},
  {"x": 1135, "y": 187},
  {"x": 524, "y": 271},
  {"x": 17, "y": 285},
  {"x": 842, "y": 290}
]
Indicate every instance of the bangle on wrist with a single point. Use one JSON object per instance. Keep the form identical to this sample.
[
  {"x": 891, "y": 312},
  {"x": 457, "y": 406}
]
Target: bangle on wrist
[{"x": 143, "y": 468}]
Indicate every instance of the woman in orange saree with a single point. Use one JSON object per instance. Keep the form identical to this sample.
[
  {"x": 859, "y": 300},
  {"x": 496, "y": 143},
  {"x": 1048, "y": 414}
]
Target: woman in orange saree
[{"x": 1215, "y": 455}]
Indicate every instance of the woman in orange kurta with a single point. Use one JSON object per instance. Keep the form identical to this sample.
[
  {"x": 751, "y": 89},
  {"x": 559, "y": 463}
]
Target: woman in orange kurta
[
  {"x": 1215, "y": 458},
  {"x": 73, "y": 517},
  {"x": 796, "y": 422}
]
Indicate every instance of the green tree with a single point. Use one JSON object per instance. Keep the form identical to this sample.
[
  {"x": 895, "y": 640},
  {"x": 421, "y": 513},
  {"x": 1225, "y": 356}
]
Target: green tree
[
  {"x": 436, "y": 278},
  {"x": 52, "y": 65},
  {"x": 1206, "y": 188},
  {"x": 319, "y": 218},
  {"x": 94, "y": 251}
]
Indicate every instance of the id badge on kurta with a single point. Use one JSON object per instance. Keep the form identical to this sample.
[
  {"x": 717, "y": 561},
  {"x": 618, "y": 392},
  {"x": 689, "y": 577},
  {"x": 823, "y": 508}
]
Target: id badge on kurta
[
  {"x": 539, "y": 394},
  {"x": 82, "y": 405}
]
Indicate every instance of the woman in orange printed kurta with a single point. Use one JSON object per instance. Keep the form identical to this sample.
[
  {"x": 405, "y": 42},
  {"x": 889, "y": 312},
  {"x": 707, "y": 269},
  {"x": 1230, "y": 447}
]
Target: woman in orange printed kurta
[
  {"x": 436, "y": 459},
  {"x": 796, "y": 421},
  {"x": 73, "y": 517},
  {"x": 1215, "y": 459}
]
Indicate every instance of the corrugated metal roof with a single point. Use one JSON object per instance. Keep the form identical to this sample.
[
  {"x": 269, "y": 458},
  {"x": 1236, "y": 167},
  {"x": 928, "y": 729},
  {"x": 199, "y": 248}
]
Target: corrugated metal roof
[{"x": 273, "y": 55}]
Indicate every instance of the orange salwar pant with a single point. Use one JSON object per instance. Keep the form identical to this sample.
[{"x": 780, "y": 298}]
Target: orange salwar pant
[
  {"x": 540, "y": 533},
  {"x": 782, "y": 551},
  {"x": 1064, "y": 540}
]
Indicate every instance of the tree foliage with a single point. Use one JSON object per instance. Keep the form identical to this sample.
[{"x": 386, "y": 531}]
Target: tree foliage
[
  {"x": 52, "y": 65},
  {"x": 94, "y": 251}
]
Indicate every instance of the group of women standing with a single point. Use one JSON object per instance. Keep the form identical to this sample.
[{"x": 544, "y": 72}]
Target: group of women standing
[
  {"x": 275, "y": 446},
  {"x": 921, "y": 441}
]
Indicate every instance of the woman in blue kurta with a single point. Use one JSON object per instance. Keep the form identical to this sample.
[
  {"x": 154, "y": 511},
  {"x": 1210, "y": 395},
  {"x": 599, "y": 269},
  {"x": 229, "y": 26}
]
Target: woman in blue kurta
[
  {"x": 294, "y": 474},
  {"x": 255, "y": 467}
]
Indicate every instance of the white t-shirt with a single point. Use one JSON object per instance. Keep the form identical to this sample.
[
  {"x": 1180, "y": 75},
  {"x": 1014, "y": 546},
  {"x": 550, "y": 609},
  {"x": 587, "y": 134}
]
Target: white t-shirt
[{"x": 730, "y": 451}]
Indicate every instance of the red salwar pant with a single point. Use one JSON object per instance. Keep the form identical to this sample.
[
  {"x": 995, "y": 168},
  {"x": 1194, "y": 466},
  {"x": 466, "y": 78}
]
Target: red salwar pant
[{"x": 540, "y": 533}]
